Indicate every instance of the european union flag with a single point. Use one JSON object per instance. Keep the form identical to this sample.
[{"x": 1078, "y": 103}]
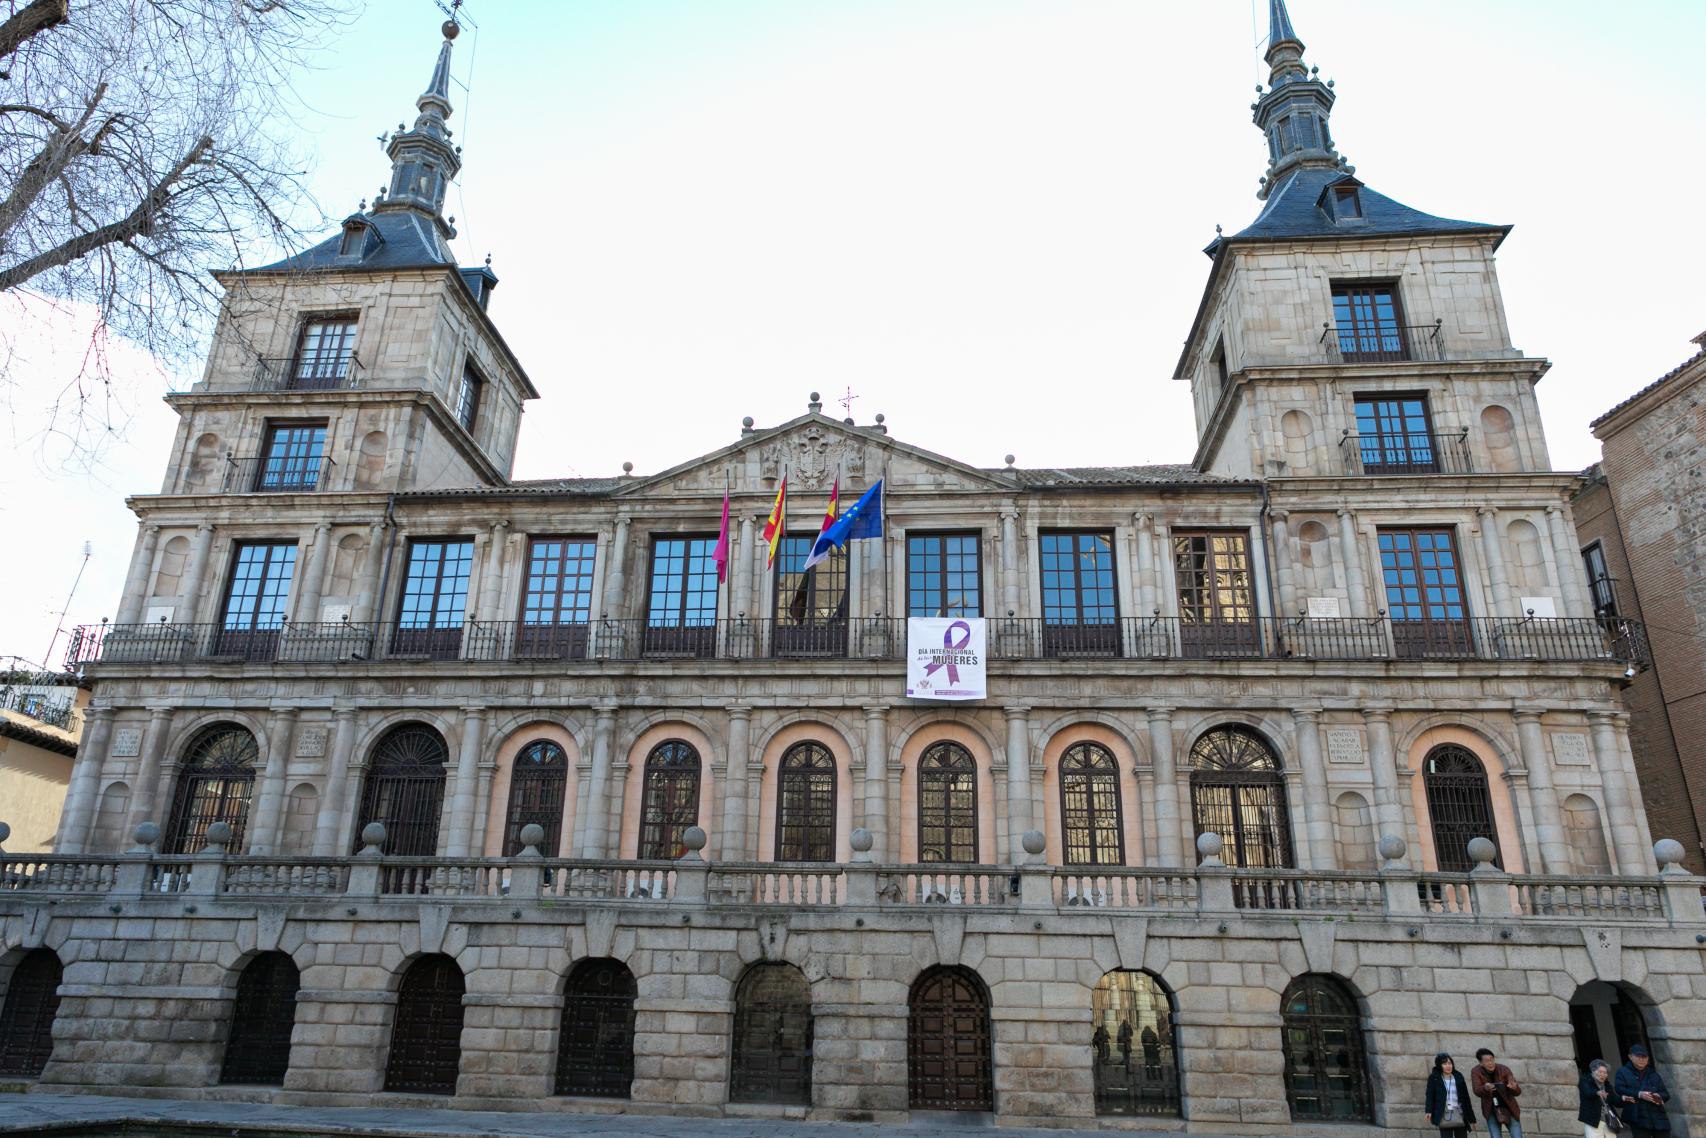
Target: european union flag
[{"x": 863, "y": 518}]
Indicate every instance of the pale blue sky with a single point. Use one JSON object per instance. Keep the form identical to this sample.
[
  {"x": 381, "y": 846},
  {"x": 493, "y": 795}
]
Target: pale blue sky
[{"x": 985, "y": 216}]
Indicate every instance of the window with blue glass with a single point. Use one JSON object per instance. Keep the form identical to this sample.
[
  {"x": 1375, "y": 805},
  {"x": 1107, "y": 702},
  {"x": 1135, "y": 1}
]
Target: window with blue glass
[
  {"x": 255, "y": 599},
  {"x": 684, "y": 583},
  {"x": 1424, "y": 592},
  {"x": 809, "y": 596},
  {"x": 943, "y": 574},
  {"x": 435, "y": 587},
  {"x": 556, "y": 603},
  {"x": 1078, "y": 578},
  {"x": 1369, "y": 322},
  {"x": 1395, "y": 435},
  {"x": 292, "y": 457}
]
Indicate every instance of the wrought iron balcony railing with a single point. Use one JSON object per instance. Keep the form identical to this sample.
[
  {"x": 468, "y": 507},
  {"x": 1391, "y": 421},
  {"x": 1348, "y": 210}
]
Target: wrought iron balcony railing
[
  {"x": 1382, "y": 343},
  {"x": 40, "y": 707},
  {"x": 272, "y": 474},
  {"x": 329, "y": 372},
  {"x": 1415, "y": 453}
]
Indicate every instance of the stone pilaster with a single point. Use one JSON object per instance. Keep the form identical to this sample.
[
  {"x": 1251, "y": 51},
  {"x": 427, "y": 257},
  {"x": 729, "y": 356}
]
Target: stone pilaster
[
  {"x": 595, "y": 828},
  {"x": 1171, "y": 814},
  {"x": 735, "y": 843},
  {"x": 877, "y": 783},
  {"x": 269, "y": 801},
  {"x": 1546, "y": 819},
  {"x": 1018, "y": 779},
  {"x": 146, "y": 793},
  {"x": 1010, "y": 562},
  {"x": 136, "y": 582},
  {"x": 195, "y": 575},
  {"x": 1389, "y": 812},
  {"x": 335, "y": 793},
  {"x": 1492, "y": 553},
  {"x": 79, "y": 815},
  {"x": 1317, "y": 811},
  {"x": 1350, "y": 551},
  {"x": 463, "y": 791},
  {"x": 1620, "y": 807}
]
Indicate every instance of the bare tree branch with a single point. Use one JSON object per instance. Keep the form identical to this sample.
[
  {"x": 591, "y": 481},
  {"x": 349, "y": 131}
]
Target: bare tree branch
[{"x": 33, "y": 20}]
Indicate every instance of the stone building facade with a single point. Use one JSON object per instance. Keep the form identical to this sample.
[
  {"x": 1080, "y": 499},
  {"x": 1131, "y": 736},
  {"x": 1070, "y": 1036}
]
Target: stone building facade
[
  {"x": 1641, "y": 517},
  {"x": 1299, "y": 761}
]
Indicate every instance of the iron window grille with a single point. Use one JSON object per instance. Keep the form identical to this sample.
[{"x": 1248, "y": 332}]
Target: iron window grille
[
  {"x": 595, "y": 1046},
  {"x": 1090, "y": 815},
  {"x": 216, "y": 784},
  {"x": 947, "y": 805},
  {"x": 26, "y": 1017},
  {"x": 805, "y": 804},
  {"x": 1326, "y": 1059},
  {"x": 1459, "y": 806},
  {"x": 538, "y": 781},
  {"x": 1133, "y": 1051},
  {"x": 670, "y": 802},
  {"x": 772, "y": 1038},
  {"x": 426, "y": 1037},
  {"x": 263, "y": 1016},
  {"x": 404, "y": 790},
  {"x": 1238, "y": 791}
]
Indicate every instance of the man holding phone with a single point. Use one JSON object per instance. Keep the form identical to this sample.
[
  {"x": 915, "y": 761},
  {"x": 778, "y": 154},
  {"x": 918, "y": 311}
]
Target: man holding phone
[{"x": 1497, "y": 1089}]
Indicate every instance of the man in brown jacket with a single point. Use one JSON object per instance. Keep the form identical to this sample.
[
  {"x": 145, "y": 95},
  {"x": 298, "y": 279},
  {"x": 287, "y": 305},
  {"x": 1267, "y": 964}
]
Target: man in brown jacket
[{"x": 1492, "y": 1082}]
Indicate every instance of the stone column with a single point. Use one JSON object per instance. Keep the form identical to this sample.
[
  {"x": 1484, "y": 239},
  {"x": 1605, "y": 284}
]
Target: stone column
[
  {"x": 877, "y": 783},
  {"x": 147, "y": 790},
  {"x": 1010, "y": 562},
  {"x": 616, "y": 583},
  {"x": 462, "y": 794},
  {"x": 1547, "y": 816},
  {"x": 1317, "y": 811},
  {"x": 1492, "y": 552},
  {"x": 1350, "y": 549},
  {"x": 1573, "y": 597},
  {"x": 1620, "y": 806},
  {"x": 1148, "y": 588},
  {"x": 1620, "y": 719},
  {"x": 195, "y": 573},
  {"x": 1018, "y": 779},
  {"x": 79, "y": 816},
  {"x": 269, "y": 800},
  {"x": 1171, "y": 811},
  {"x": 1288, "y": 602},
  {"x": 366, "y": 607},
  {"x": 335, "y": 793},
  {"x": 136, "y": 581},
  {"x": 307, "y": 608},
  {"x": 734, "y": 843},
  {"x": 483, "y": 811},
  {"x": 1389, "y": 813},
  {"x": 595, "y": 830},
  {"x": 740, "y": 570}
]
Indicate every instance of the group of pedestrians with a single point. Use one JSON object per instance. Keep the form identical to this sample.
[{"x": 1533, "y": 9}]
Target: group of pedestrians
[{"x": 1632, "y": 1101}]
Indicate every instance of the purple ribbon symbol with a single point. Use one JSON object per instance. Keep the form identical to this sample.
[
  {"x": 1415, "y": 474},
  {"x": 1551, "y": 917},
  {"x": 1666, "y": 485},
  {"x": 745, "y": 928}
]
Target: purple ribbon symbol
[{"x": 949, "y": 648}]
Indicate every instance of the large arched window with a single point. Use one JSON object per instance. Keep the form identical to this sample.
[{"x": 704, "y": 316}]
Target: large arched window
[
  {"x": 670, "y": 803},
  {"x": 595, "y": 1049},
  {"x": 537, "y": 783},
  {"x": 805, "y": 804},
  {"x": 772, "y": 1037},
  {"x": 1134, "y": 1057},
  {"x": 947, "y": 804},
  {"x": 217, "y": 782},
  {"x": 404, "y": 790},
  {"x": 1326, "y": 1061},
  {"x": 1459, "y": 806},
  {"x": 949, "y": 1056},
  {"x": 1238, "y": 792},
  {"x": 262, "y": 1019},
  {"x": 26, "y": 1018},
  {"x": 426, "y": 1037},
  {"x": 1090, "y": 806}
]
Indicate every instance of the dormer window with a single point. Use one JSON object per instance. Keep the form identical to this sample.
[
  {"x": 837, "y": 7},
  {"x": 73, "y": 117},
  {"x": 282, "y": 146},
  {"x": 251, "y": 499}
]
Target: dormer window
[
  {"x": 468, "y": 397},
  {"x": 1347, "y": 203},
  {"x": 354, "y": 238}
]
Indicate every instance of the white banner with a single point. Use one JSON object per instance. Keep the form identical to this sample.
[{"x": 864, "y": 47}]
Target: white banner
[{"x": 945, "y": 658}]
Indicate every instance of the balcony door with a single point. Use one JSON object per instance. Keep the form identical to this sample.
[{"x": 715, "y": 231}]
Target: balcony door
[
  {"x": 1370, "y": 323},
  {"x": 557, "y": 603},
  {"x": 811, "y": 604},
  {"x": 435, "y": 599},
  {"x": 1217, "y": 603},
  {"x": 1080, "y": 609},
  {"x": 681, "y": 609},
  {"x": 255, "y": 600},
  {"x": 1395, "y": 435},
  {"x": 1424, "y": 594}
]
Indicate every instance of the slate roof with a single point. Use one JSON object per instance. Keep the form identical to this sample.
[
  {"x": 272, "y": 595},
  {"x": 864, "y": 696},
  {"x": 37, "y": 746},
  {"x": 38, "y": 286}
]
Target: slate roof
[
  {"x": 1156, "y": 475},
  {"x": 409, "y": 241},
  {"x": 1655, "y": 385},
  {"x": 1291, "y": 213}
]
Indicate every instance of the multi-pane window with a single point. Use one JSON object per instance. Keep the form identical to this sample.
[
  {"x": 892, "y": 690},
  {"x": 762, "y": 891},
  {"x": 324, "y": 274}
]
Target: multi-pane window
[
  {"x": 468, "y": 397},
  {"x": 1369, "y": 322},
  {"x": 537, "y": 783},
  {"x": 1424, "y": 592},
  {"x": 435, "y": 597},
  {"x": 681, "y": 608},
  {"x": 217, "y": 782},
  {"x": 1600, "y": 583},
  {"x": 947, "y": 805},
  {"x": 1217, "y": 603},
  {"x": 942, "y": 575},
  {"x": 1459, "y": 806},
  {"x": 809, "y": 596},
  {"x": 323, "y": 353},
  {"x": 292, "y": 457},
  {"x": 557, "y": 602},
  {"x": 1395, "y": 435},
  {"x": 255, "y": 599},
  {"x": 1090, "y": 806},
  {"x": 1238, "y": 792},
  {"x": 1080, "y": 613},
  {"x": 670, "y": 803},
  {"x": 805, "y": 804}
]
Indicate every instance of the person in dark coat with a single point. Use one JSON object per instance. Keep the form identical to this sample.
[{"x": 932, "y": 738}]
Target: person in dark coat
[
  {"x": 1448, "y": 1094},
  {"x": 1596, "y": 1094},
  {"x": 1643, "y": 1093}
]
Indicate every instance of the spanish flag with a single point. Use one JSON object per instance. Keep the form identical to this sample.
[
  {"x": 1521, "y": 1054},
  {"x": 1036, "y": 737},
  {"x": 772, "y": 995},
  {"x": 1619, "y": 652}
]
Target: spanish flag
[{"x": 775, "y": 524}]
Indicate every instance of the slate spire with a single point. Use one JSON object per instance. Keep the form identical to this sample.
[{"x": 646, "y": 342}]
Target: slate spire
[
  {"x": 423, "y": 161},
  {"x": 1293, "y": 111}
]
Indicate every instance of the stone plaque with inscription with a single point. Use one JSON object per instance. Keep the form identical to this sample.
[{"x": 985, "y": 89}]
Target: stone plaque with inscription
[
  {"x": 311, "y": 743},
  {"x": 1323, "y": 608},
  {"x": 1570, "y": 750},
  {"x": 127, "y": 742},
  {"x": 1344, "y": 746}
]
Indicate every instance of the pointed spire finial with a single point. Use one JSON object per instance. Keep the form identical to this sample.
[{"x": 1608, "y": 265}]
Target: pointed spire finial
[
  {"x": 1279, "y": 25},
  {"x": 1294, "y": 110},
  {"x": 422, "y": 159}
]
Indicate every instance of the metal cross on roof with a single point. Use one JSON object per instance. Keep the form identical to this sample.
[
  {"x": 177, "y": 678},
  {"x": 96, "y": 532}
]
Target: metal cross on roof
[{"x": 846, "y": 402}]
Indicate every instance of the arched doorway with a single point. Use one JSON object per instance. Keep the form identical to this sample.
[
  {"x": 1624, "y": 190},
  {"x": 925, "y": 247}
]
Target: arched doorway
[
  {"x": 404, "y": 790},
  {"x": 1132, "y": 1046},
  {"x": 595, "y": 1050},
  {"x": 1090, "y": 819},
  {"x": 426, "y": 1038},
  {"x": 216, "y": 783},
  {"x": 1326, "y": 1060},
  {"x": 1238, "y": 792},
  {"x": 805, "y": 804},
  {"x": 947, "y": 805},
  {"x": 537, "y": 783},
  {"x": 26, "y": 1018},
  {"x": 949, "y": 1055},
  {"x": 669, "y": 803},
  {"x": 1459, "y": 806},
  {"x": 1606, "y": 1020},
  {"x": 262, "y": 1019},
  {"x": 772, "y": 1037}
]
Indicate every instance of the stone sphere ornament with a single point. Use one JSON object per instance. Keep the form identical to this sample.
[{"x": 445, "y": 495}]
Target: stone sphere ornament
[
  {"x": 147, "y": 833},
  {"x": 861, "y": 840},
  {"x": 219, "y": 834},
  {"x": 373, "y": 835},
  {"x": 451, "y": 29},
  {"x": 694, "y": 839},
  {"x": 1032, "y": 841},
  {"x": 532, "y": 835},
  {"x": 1209, "y": 844},
  {"x": 5, "y": 832},
  {"x": 1393, "y": 847},
  {"x": 1482, "y": 851},
  {"x": 1668, "y": 851}
]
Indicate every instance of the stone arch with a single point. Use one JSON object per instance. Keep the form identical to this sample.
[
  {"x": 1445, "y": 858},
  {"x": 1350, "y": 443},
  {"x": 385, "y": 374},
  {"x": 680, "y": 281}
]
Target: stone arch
[
  {"x": 771, "y": 1040},
  {"x": 1617, "y": 1014},
  {"x": 1133, "y": 1045},
  {"x": 514, "y": 720},
  {"x": 1584, "y": 832},
  {"x": 1509, "y": 835},
  {"x": 912, "y": 750},
  {"x": 1241, "y": 787},
  {"x": 182, "y": 730},
  {"x": 1498, "y": 432},
  {"x": 1276, "y": 732},
  {"x": 972, "y": 723},
  {"x": 851, "y": 733},
  {"x": 410, "y": 806},
  {"x": 1133, "y": 808},
  {"x": 449, "y": 729},
  {"x": 213, "y": 779},
  {"x": 169, "y": 569},
  {"x": 633, "y": 786},
  {"x": 1354, "y": 842},
  {"x": 512, "y": 741},
  {"x": 771, "y": 752},
  {"x": 370, "y": 460}
]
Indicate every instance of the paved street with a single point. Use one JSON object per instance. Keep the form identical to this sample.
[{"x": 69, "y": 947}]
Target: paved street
[{"x": 47, "y": 1113}]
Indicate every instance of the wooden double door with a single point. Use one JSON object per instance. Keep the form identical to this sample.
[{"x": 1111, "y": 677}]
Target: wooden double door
[{"x": 949, "y": 1060}]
